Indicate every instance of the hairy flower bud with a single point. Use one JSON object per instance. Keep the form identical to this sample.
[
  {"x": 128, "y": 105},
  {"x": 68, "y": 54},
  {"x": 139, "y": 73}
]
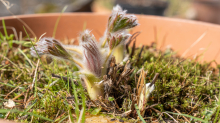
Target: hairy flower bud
[
  {"x": 91, "y": 53},
  {"x": 85, "y": 36},
  {"x": 50, "y": 46},
  {"x": 115, "y": 39},
  {"x": 119, "y": 21}
]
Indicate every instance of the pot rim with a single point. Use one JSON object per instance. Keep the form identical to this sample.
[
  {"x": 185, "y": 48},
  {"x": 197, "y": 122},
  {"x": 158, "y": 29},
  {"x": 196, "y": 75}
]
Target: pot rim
[{"x": 105, "y": 14}]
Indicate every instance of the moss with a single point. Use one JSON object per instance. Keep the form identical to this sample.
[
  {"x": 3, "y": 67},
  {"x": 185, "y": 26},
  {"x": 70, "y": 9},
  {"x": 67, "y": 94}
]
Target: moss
[{"x": 183, "y": 85}]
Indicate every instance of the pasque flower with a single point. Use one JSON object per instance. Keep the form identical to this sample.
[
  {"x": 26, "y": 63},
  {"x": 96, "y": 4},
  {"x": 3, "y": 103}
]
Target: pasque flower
[
  {"x": 50, "y": 46},
  {"x": 116, "y": 44},
  {"x": 118, "y": 22},
  {"x": 90, "y": 57},
  {"x": 116, "y": 39}
]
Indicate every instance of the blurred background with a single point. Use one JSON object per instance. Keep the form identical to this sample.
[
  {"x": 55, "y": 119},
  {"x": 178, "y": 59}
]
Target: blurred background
[{"x": 201, "y": 10}]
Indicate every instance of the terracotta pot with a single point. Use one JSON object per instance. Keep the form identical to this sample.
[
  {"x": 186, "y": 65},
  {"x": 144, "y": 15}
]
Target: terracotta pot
[
  {"x": 6, "y": 121},
  {"x": 182, "y": 35}
]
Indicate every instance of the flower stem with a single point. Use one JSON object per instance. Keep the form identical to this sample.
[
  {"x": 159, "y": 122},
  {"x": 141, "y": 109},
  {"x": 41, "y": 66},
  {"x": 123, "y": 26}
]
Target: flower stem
[
  {"x": 77, "y": 63},
  {"x": 109, "y": 54},
  {"x": 103, "y": 44},
  {"x": 119, "y": 53},
  {"x": 74, "y": 49},
  {"x": 94, "y": 90}
]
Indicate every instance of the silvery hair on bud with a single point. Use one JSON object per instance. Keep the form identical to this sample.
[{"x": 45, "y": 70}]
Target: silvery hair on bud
[
  {"x": 91, "y": 53},
  {"x": 41, "y": 47},
  {"x": 51, "y": 47}
]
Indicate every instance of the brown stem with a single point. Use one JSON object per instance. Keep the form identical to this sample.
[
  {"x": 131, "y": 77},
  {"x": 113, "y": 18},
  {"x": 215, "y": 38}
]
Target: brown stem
[
  {"x": 133, "y": 37},
  {"x": 154, "y": 79}
]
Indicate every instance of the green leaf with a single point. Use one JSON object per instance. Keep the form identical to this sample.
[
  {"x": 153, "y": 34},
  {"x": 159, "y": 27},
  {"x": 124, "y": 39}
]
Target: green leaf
[
  {"x": 4, "y": 27},
  {"x": 96, "y": 111},
  {"x": 111, "y": 99}
]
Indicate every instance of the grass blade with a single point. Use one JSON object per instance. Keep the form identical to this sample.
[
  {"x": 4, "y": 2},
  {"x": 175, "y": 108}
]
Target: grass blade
[
  {"x": 186, "y": 115},
  {"x": 76, "y": 101},
  {"x": 57, "y": 22},
  {"x": 29, "y": 61},
  {"x": 63, "y": 119},
  {"x": 70, "y": 115},
  {"x": 4, "y": 27},
  {"x": 4, "y": 67},
  {"x": 139, "y": 114},
  {"x": 83, "y": 103},
  {"x": 27, "y": 113}
]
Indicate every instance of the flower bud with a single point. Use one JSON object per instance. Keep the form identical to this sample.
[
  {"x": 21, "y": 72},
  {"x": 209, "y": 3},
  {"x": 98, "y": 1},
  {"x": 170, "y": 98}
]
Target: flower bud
[
  {"x": 91, "y": 54},
  {"x": 115, "y": 39},
  {"x": 119, "y": 21},
  {"x": 49, "y": 46}
]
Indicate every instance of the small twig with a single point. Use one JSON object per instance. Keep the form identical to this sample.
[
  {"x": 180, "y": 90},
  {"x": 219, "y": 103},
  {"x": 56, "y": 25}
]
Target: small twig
[
  {"x": 155, "y": 110},
  {"x": 150, "y": 106},
  {"x": 116, "y": 104},
  {"x": 6, "y": 116},
  {"x": 133, "y": 49},
  {"x": 11, "y": 92},
  {"x": 26, "y": 102},
  {"x": 91, "y": 101},
  {"x": 26, "y": 95},
  {"x": 182, "y": 116},
  {"x": 169, "y": 116},
  {"x": 133, "y": 37},
  {"x": 154, "y": 79},
  {"x": 102, "y": 102},
  {"x": 139, "y": 55},
  {"x": 18, "y": 96}
]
